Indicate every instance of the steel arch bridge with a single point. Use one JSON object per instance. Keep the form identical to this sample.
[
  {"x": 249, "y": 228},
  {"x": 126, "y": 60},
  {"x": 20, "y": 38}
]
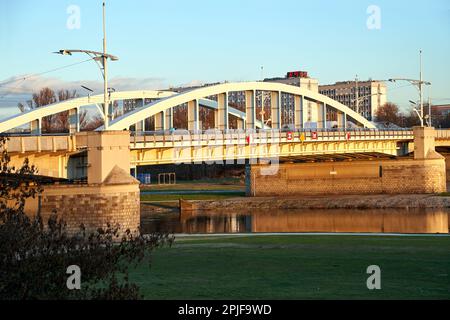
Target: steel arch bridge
[
  {"x": 194, "y": 98},
  {"x": 34, "y": 117},
  {"x": 308, "y": 106}
]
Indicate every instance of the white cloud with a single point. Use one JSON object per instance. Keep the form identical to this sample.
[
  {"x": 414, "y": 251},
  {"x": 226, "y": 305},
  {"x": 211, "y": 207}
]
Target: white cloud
[
  {"x": 34, "y": 84},
  {"x": 12, "y": 92}
]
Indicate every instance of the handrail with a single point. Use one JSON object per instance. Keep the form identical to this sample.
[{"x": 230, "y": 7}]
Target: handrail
[
  {"x": 157, "y": 139},
  {"x": 268, "y": 136}
]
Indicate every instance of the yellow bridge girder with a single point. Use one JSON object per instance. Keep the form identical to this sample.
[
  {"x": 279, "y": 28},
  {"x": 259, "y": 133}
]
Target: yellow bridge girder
[
  {"x": 51, "y": 153},
  {"x": 235, "y": 152}
]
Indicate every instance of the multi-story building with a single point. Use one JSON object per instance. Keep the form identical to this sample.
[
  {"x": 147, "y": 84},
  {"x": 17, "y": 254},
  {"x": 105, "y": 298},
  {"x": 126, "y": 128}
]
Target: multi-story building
[
  {"x": 363, "y": 97},
  {"x": 441, "y": 110},
  {"x": 298, "y": 79},
  {"x": 439, "y": 115}
]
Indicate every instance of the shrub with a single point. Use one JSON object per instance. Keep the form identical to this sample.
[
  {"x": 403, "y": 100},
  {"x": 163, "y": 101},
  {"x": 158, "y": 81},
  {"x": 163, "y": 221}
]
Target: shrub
[{"x": 35, "y": 254}]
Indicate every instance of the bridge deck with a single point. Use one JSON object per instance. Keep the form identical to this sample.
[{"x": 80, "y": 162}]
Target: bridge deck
[{"x": 185, "y": 138}]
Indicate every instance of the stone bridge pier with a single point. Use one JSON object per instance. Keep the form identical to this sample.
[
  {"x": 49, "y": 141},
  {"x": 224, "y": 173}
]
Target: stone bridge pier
[
  {"x": 110, "y": 196},
  {"x": 422, "y": 174}
]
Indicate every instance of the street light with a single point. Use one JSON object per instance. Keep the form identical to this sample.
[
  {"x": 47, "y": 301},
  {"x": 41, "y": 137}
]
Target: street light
[
  {"x": 427, "y": 116},
  {"x": 101, "y": 58},
  {"x": 358, "y": 99},
  {"x": 419, "y": 84},
  {"x": 89, "y": 90},
  {"x": 417, "y": 111}
]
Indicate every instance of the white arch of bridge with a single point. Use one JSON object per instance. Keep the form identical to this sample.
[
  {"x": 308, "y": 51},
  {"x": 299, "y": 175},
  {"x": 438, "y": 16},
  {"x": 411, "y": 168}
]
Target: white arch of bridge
[
  {"x": 194, "y": 99},
  {"x": 34, "y": 117}
]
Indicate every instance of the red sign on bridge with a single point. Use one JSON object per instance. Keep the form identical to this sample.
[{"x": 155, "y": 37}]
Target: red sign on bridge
[{"x": 289, "y": 136}]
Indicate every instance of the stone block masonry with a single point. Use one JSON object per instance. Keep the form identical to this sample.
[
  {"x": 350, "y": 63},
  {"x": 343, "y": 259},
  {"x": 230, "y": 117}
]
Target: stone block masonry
[
  {"x": 111, "y": 195},
  {"x": 94, "y": 206},
  {"x": 406, "y": 176},
  {"x": 425, "y": 173}
]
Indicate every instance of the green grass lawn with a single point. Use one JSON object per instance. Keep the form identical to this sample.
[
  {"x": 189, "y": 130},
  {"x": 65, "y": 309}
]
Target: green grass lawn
[
  {"x": 198, "y": 196},
  {"x": 203, "y": 184},
  {"x": 297, "y": 267}
]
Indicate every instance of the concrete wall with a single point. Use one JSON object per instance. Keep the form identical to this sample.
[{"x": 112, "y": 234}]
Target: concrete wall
[
  {"x": 106, "y": 149},
  {"x": 48, "y": 164},
  {"x": 356, "y": 177}
]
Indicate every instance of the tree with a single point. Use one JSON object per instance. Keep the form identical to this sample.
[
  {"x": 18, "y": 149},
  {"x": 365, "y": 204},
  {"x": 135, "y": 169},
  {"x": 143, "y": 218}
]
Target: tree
[
  {"x": 207, "y": 117},
  {"x": 83, "y": 119},
  {"x": 180, "y": 115},
  {"x": 90, "y": 124},
  {"x": 442, "y": 121},
  {"x": 388, "y": 113},
  {"x": 35, "y": 256},
  {"x": 409, "y": 120},
  {"x": 56, "y": 123},
  {"x": 44, "y": 97},
  {"x": 61, "y": 121}
]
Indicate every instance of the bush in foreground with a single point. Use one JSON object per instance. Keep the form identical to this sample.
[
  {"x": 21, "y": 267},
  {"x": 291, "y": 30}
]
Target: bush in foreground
[{"x": 35, "y": 255}]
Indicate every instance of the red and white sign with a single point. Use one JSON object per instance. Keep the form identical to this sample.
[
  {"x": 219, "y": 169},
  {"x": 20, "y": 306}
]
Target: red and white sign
[
  {"x": 297, "y": 74},
  {"x": 314, "y": 135},
  {"x": 289, "y": 136},
  {"x": 249, "y": 139}
]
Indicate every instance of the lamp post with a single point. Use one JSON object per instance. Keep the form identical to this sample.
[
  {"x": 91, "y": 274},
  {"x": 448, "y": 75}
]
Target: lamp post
[
  {"x": 358, "y": 99},
  {"x": 101, "y": 58},
  {"x": 419, "y": 85},
  {"x": 426, "y": 117}
]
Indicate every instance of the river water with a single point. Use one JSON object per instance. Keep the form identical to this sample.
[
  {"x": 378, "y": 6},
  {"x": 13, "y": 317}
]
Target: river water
[{"x": 221, "y": 221}]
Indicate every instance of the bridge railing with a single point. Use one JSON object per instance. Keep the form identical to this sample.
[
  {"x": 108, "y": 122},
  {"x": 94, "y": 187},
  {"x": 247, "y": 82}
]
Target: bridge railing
[
  {"x": 42, "y": 143},
  {"x": 215, "y": 137},
  {"x": 442, "y": 134},
  {"x": 158, "y": 139}
]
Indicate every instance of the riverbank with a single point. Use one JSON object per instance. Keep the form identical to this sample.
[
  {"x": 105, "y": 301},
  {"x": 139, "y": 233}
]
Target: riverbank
[
  {"x": 277, "y": 203},
  {"x": 321, "y": 202},
  {"x": 176, "y": 195}
]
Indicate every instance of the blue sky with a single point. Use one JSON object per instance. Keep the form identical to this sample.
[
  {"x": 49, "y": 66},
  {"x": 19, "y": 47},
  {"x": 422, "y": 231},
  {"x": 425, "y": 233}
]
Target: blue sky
[{"x": 163, "y": 43}]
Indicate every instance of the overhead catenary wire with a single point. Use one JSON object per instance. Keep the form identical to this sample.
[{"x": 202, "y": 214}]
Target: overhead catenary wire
[
  {"x": 12, "y": 89},
  {"x": 22, "y": 79},
  {"x": 42, "y": 73}
]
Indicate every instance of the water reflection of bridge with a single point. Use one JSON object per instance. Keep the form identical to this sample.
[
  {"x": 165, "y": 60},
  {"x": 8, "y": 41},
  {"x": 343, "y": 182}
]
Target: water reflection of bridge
[{"x": 330, "y": 220}]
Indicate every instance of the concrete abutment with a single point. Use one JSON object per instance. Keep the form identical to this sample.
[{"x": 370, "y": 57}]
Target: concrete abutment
[
  {"x": 425, "y": 173},
  {"x": 110, "y": 196}
]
